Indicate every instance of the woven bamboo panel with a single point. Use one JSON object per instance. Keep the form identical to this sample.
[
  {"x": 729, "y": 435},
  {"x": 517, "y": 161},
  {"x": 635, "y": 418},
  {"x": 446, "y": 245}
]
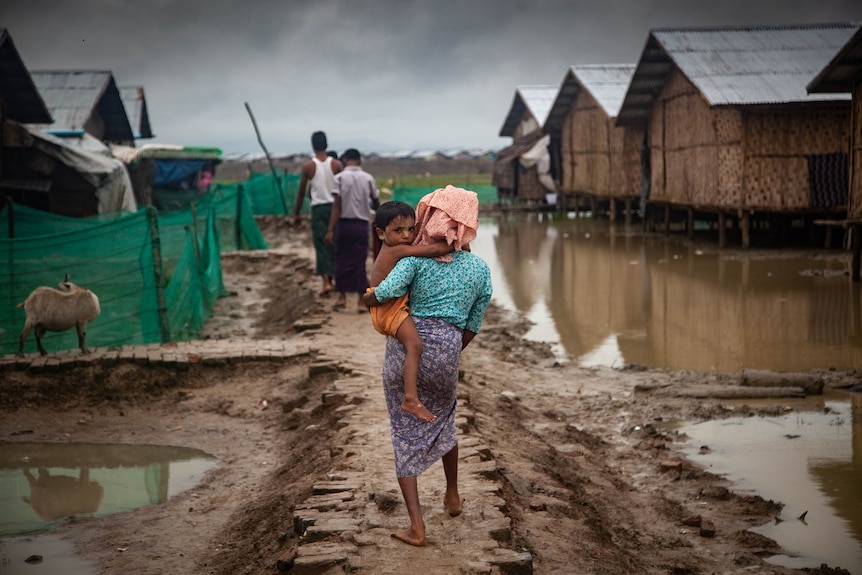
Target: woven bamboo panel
[
  {"x": 631, "y": 161},
  {"x": 855, "y": 192},
  {"x": 797, "y": 131},
  {"x": 776, "y": 183},
  {"x": 727, "y": 125},
  {"x": 592, "y": 174},
  {"x": 590, "y": 130},
  {"x": 567, "y": 156},
  {"x": 657, "y": 176},
  {"x": 729, "y": 184},
  {"x": 529, "y": 187}
]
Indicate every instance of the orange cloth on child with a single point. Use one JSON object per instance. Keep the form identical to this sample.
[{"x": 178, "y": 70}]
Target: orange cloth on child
[
  {"x": 449, "y": 214},
  {"x": 389, "y": 316}
]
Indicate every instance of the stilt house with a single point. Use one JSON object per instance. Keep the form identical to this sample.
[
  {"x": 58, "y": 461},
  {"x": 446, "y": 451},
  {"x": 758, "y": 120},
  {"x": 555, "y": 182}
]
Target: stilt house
[
  {"x": 731, "y": 127},
  {"x": 844, "y": 74},
  {"x": 85, "y": 101},
  {"x": 595, "y": 157},
  {"x": 523, "y": 124}
]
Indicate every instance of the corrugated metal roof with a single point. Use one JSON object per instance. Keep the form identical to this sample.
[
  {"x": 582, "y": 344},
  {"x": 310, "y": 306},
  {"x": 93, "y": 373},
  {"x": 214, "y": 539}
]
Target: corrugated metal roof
[
  {"x": 536, "y": 99},
  {"x": 73, "y": 97},
  {"x": 136, "y": 109},
  {"x": 736, "y": 65},
  {"x": 606, "y": 83},
  {"x": 23, "y": 102},
  {"x": 844, "y": 71}
]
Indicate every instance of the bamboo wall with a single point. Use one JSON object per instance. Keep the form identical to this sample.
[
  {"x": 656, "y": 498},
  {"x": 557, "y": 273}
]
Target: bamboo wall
[
  {"x": 597, "y": 157},
  {"x": 855, "y": 192},
  {"x": 685, "y": 149},
  {"x": 778, "y": 142}
]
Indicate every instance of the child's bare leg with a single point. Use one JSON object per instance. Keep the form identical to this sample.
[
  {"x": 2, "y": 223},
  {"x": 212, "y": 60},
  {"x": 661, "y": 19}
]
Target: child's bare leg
[
  {"x": 415, "y": 534},
  {"x": 409, "y": 338}
]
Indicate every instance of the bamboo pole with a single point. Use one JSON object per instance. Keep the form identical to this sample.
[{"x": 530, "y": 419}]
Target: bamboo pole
[{"x": 268, "y": 159}]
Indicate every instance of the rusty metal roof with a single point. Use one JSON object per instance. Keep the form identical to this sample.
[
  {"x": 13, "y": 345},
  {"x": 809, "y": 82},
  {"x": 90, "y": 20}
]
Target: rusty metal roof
[
  {"x": 533, "y": 99},
  {"x": 844, "y": 71},
  {"x": 136, "y": 109},
  {"x": 74, "y": 96},
  {"x": 17, "y": 90},
  {"x": 737, "y": 66},
  {"x": 606, "y": 83}
]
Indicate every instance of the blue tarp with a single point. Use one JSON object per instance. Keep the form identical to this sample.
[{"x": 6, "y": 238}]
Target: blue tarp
[{"x": 170, "y": 172}]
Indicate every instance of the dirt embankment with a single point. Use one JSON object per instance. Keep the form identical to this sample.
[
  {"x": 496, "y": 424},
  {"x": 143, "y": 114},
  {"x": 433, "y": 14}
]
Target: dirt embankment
[{"x": 592, "y": 480}]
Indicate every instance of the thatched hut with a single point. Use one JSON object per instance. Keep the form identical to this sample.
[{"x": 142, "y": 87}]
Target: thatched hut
[
  {"x": 595, "y": 157},
  {"x": 844, "y": 74},
  {"x": 731, "y": 128},
  {"x": 516, "y": 179}
]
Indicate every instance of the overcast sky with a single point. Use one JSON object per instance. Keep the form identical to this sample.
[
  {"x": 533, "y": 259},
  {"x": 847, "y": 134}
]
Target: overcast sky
[{"x": 378, "y": 75}]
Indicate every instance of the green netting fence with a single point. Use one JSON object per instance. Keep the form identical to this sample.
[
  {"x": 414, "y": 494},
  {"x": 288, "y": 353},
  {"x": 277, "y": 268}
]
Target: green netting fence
[
  {"x": 487, "y": 194},
  {"x": 157, "y": 276}
]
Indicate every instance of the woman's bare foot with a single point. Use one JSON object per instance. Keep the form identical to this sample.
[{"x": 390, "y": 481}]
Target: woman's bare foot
[
  {"x": 453, "y": 509},
  {"x": 415, "y": 408},
  {"x": 408, "y": 537}
]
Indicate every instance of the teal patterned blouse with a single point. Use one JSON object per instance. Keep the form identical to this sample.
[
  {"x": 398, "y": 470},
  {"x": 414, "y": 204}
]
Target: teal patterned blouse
[{"x": 457, "y": 292}]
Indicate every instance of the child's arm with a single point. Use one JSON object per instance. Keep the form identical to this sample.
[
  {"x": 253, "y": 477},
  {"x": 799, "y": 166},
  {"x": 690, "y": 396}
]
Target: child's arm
[{"x": 439, "y": 248}]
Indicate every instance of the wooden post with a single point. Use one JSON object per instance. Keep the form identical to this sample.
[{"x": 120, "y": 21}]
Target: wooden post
[
  {"x": 195, "y": 231},
  {"x": 612, "y": 209},
  {"x": 594, "y": 206},
  {"x": 238, "y": 221},
  {"x": 667, "y": 220},
  {"x": 158, "y": 272},
  {"x": 857, "y": 252},
  {"x": 628, "y": 208},
  {"x": 745, "y": 224},
  {"x": 690, "y": 223},
  {"x": 268, "y": 159},
  {"x": 722, "y": 230}
]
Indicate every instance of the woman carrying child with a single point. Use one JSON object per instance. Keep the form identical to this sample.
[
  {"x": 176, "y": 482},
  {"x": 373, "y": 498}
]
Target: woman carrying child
[{"x": 447, "y": 302}]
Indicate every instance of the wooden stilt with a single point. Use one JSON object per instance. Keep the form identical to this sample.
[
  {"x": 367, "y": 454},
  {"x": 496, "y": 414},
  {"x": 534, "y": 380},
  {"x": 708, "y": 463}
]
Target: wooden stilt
[
  {"x": 857, "y": 252},
  {"x": 667, "y": 220},
  {"x": 690, "y": 223},
  {"x": 612, "y": 209},
  {"x": 628, "y": 208},
  {"x": 745, "y": 224},
  {"x": 722, "y": 230}
]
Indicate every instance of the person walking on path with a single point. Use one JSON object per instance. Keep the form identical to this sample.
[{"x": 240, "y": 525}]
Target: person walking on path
[
  {"x": 354, "y": 196},
  {"x": 395, "y": 226},
  {"x": 319, "y": 172},
  {"x": 447, "y": 300}
]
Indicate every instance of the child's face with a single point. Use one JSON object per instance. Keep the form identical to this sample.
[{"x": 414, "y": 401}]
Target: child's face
[{"x": 399, "y": 232}]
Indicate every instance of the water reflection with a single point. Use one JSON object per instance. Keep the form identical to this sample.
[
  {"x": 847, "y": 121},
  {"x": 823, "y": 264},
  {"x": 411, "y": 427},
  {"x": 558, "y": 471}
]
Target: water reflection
[
  {"x": 811, "y": 461},
  {"x": 613, "y": 296},
  {"x": 42, "y": 485}
]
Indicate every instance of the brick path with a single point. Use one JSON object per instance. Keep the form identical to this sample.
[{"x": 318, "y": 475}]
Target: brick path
[{"x": 346, "y": 524}]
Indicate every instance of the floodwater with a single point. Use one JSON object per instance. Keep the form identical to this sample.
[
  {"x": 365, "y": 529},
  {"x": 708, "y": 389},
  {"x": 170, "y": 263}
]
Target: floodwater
[
  {"x": 810, "y": 460},
  {"x": 611, "y": 295},
  {"x": 43, "y": 484}
]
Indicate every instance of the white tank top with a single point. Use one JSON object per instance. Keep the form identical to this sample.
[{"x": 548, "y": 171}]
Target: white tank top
[{"x": 322, "y": 183}]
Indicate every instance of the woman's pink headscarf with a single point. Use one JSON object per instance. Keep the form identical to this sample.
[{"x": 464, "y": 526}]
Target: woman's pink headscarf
[{"x": 450, "y": 214}]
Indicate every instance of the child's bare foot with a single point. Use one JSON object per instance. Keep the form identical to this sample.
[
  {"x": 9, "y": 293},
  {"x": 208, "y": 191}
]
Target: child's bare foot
[
  {"x": 415, "y": 408},
  {"x": 408, "y": 537}
]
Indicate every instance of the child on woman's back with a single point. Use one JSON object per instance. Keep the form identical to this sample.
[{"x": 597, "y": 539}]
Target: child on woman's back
[{"x": 395, "y": 225}]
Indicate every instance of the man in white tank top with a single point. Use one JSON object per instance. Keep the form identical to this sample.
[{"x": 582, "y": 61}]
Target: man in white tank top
[{"x": 320, "y": 172}]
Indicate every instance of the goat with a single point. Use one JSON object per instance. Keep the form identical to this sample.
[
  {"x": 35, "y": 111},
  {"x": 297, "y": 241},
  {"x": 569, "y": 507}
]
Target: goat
[{"x": 50, "y": 309}]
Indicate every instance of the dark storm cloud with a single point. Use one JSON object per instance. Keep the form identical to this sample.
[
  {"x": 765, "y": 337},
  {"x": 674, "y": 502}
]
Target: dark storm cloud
[{"x": 377, "y": 74}]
